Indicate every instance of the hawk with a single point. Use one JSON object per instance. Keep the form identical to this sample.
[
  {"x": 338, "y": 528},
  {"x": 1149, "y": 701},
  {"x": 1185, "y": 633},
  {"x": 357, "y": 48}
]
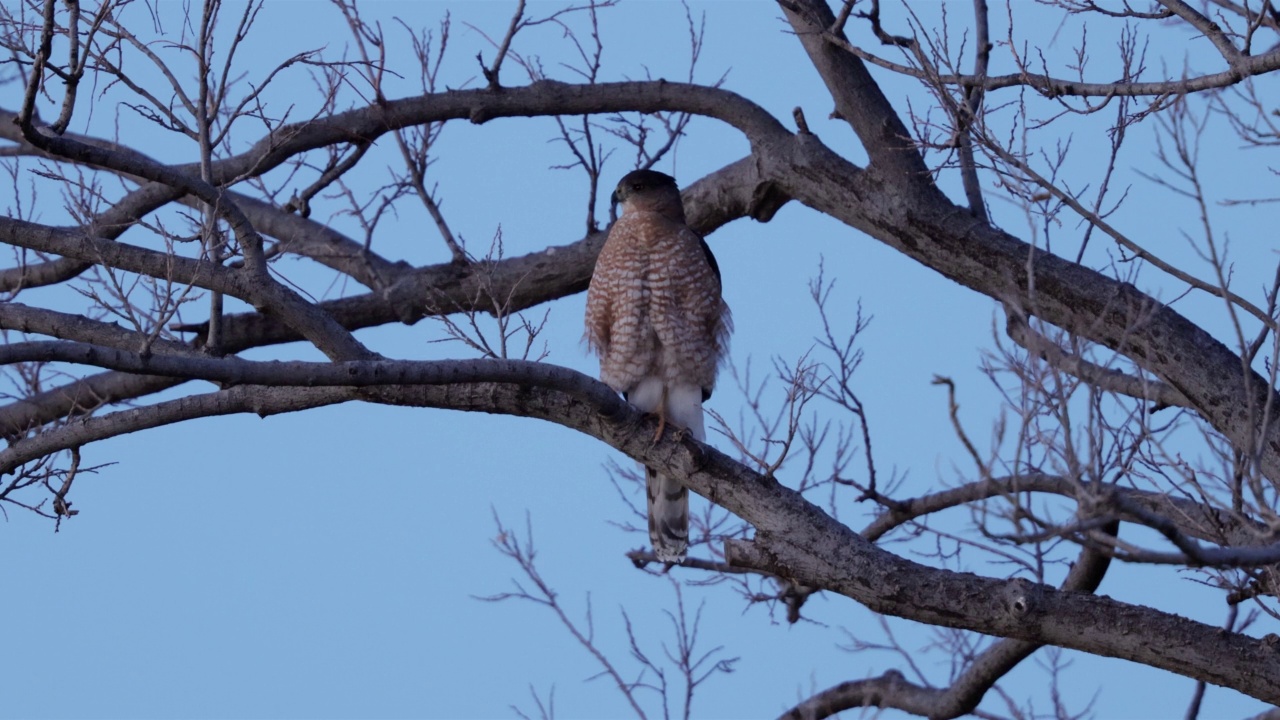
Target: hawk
[{"x": 656, "y": 318}]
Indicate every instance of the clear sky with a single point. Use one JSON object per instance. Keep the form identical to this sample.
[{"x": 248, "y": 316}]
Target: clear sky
[{"x": 328, "y": 563}]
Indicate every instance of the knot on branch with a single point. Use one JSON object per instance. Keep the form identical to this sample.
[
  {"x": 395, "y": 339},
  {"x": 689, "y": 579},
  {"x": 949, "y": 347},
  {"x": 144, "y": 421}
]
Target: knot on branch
[
  {"x": 1022, "y": 598},
  {"x": 766, "y": 199},
  {"x": 748, "y": 554}
]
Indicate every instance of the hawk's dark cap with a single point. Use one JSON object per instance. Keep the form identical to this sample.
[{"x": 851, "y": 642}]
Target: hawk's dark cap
[{"x": 646, "y": 179}]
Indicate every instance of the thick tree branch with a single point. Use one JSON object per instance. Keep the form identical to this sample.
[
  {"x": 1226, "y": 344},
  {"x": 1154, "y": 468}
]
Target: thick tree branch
[
  {"x": 1209, "y": 28},
  {"x": 76, "y": 399},
  {"x": 544, "y": 98},
  {"x": 857, "y": 97},
  {"x": 1171, "y": 516},
  {"x": 927, "y": 227},
  {"x": 309, "y": 320},
  {"x": 1107, "y": 379},
  {"x": 734, "y": 191},
  {"x": 962, "y": 697},
  {"x": 111, "y": 224},
  {"x": 27, "y": 319},
  {"x": 921, "y": 223},
  {"x": 320, "y": 384},
  {"x": 40, "y": 274},
  {"x": 894, "y": 199},
  {"x": 313, "y": 240},
  {"x": 794, "y": 538}
]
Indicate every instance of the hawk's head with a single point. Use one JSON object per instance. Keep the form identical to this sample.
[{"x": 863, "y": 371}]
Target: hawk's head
[{"x": 649, "y": 191}]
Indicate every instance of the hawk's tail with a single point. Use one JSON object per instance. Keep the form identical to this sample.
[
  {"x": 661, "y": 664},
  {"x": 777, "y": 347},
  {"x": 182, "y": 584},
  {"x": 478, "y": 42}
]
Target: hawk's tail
[
  {"x": 668, "y": 516},
  {"x": 668, "y": 497}
]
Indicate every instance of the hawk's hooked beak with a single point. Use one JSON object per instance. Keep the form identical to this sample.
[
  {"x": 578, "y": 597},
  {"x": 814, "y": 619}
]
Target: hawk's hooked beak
[{"x": 613, "y": 206}]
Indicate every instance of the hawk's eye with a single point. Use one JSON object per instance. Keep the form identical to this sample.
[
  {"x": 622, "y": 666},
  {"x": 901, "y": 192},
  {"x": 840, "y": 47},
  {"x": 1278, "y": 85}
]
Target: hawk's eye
[{"x": 637, "y": 187}]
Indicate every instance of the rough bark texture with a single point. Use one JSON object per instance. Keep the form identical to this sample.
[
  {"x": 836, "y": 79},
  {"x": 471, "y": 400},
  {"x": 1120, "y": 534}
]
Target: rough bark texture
[{"x": 893, "y": 200}]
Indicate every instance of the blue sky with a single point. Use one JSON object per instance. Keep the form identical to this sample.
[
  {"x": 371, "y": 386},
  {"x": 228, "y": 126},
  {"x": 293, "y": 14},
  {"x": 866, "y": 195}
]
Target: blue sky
[{"x": 328, "y": 563}]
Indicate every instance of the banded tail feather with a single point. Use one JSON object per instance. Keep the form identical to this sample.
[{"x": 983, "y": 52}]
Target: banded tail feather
[
  {"x": 681, "y": 404},
  {"x": 668, "y": 516}
]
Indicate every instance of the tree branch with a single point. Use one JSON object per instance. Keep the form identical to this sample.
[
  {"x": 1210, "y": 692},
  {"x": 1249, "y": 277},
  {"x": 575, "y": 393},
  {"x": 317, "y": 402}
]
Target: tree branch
[{"x": 794, "y": 538}]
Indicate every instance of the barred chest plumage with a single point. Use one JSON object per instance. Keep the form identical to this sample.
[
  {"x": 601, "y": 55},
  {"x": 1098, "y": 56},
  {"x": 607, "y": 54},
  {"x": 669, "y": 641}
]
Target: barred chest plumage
[{"x": 654, "y": 307}]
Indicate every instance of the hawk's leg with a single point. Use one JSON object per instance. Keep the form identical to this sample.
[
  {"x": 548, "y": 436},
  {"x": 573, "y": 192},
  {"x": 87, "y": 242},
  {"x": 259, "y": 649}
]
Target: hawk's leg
[{"x": 662, "y": 415}]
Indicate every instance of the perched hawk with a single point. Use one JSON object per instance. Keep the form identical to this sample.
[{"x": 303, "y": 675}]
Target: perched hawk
[{"x": 656, "y": 318}]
